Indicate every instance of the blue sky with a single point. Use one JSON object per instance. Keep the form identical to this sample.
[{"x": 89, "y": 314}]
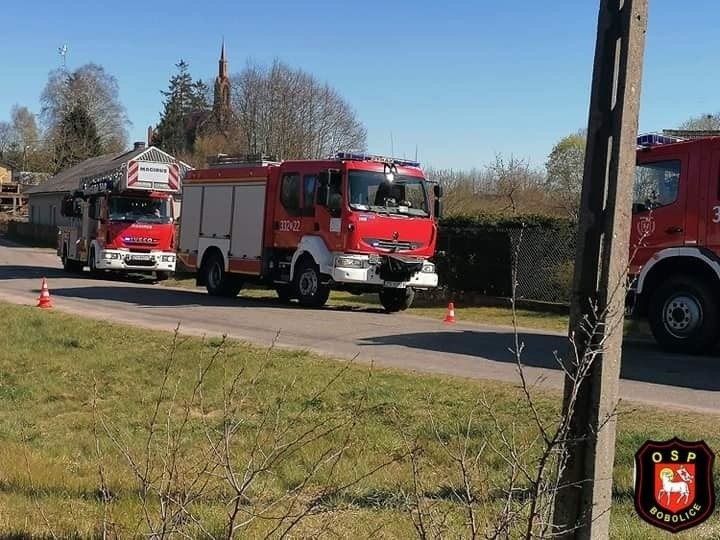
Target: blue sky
[{"x": 462, "y": 81}]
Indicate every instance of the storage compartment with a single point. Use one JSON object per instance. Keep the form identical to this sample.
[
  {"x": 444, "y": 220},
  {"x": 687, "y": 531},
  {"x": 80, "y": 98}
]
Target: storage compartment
[{"x": 247, "y": 221}]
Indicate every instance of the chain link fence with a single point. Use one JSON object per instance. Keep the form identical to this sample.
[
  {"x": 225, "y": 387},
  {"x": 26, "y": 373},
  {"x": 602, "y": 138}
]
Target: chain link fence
[{"x": 482, "y": 259}]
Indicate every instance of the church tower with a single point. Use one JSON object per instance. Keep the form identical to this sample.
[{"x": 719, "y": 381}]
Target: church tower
[{"x": 221, "y": 103}]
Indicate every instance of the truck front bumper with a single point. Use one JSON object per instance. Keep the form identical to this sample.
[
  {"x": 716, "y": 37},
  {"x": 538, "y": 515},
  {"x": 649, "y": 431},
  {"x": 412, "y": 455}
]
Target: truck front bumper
[
  {"x": 358, "y": 270},
  {"x": 154, "y": 261}
]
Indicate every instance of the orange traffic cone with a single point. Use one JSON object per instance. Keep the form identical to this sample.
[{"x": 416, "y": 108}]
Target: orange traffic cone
[
  {"x": 450, "y": 317},
  {"x": 44, "y": 300}
]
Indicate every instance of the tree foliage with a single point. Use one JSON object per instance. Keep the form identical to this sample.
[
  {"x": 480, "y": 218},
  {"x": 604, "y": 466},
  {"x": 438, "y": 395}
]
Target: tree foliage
[
  {"x": 78, "y": 138},
  {"x": 288, "y": 113},
  {"x": 565, "y": 167},
  {"x": 184, "y": 107}
]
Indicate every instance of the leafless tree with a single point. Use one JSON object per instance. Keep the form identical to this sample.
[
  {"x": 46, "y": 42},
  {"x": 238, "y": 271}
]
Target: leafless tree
[
  {"x": 96, "y": 91},
  {"x": 241, "y": 453},
  {"x": 6, "y": 138},
  {"x": 703, "y": 122},
  {"x": 532, "y": 460},
  {"x": 288, "y": 113}
]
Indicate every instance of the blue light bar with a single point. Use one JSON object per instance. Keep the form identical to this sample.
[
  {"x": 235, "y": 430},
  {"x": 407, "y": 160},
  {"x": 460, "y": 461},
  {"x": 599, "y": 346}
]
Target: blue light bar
[
  {"x": 353, "y": 156},
  {"x": 653, "y": 139}
]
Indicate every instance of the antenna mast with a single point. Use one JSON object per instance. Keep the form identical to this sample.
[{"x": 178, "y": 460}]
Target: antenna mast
[{"x": 62, "y": 51}]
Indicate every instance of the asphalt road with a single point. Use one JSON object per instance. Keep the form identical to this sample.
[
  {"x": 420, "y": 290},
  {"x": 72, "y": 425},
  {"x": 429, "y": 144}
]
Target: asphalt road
[{"x": 398, "y": 341}]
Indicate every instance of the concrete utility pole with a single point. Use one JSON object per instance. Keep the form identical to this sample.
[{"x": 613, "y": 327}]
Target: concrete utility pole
[{"x": 582, "y": 505}]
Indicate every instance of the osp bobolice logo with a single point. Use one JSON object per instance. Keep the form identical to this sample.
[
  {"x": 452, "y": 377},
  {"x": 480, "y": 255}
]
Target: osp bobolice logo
[{"x": 673, "y": 483}]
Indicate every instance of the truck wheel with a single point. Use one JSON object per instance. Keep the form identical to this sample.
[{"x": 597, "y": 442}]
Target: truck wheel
[
  {"x": 684, "y": 316},
  {"x": 217, "y": 280},
  {"x": 70, "y": 265},
  {"x": 285, "y": 293},
  {"x": 394, "y": 300},
  {"x": 92, "y": 264},
  {"x": 309, "y": 289}
]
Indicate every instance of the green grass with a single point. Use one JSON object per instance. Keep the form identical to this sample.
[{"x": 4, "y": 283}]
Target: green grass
[
  {"x": 49, "y": 479},
  {"x": 493, "y": 316}
]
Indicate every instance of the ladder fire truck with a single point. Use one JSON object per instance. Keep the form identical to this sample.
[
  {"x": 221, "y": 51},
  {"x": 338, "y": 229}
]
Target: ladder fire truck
[
  {"x": 675, "y": 241},
  {"x": 357, "y": 222},
  {"x": 122, "y": 215}
]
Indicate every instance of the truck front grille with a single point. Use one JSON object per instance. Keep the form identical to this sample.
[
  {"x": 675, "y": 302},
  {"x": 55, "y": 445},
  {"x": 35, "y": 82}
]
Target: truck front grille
[
  {"x": 392, "y": 245},
  {"x": 139, "y": 262}
]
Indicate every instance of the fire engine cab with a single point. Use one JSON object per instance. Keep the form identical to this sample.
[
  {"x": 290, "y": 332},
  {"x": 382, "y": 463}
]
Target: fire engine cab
[
  {"x": 675, "y": 241},
  {"x": 356, "y": 222},
  {"x": 122, "y": 215}
]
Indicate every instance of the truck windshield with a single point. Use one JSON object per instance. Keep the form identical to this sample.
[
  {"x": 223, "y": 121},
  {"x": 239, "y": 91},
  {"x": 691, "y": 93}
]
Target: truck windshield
[
  {"x": 143, "y": 210},
  {"x": 371, "y": 191}
]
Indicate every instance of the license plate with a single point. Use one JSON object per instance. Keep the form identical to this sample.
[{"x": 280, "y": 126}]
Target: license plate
[{"x": 135, "y": 257}]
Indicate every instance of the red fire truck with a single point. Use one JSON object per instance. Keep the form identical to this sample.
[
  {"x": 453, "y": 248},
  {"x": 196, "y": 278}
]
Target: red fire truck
[
  {"x": 675, "y": 241},
  {"x": 122, "y": 214},
  {"x": 355, "y": 222}
]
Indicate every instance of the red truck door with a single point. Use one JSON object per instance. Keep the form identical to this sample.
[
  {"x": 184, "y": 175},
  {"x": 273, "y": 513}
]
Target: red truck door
[
  {"x": 295, "y": 205},
  {"x": 659, "y": 204},
  {"x": 710, "y": 221},
  {"x": 300, "y": 212}
]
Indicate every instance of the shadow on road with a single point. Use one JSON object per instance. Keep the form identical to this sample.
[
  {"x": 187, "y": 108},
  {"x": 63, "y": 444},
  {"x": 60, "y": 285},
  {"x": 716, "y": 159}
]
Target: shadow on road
[
  {"x": 165, "y": 297},
  {"x": 38, "y": 272},
  {"x": 643, "y": 362}
]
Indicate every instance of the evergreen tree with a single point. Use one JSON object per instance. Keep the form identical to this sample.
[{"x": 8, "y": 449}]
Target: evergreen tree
[
  {"x": 77, "y": 138},
  {"x": 184, "y": 100}
]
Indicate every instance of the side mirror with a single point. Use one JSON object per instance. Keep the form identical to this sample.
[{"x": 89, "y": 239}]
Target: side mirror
[
  {"x": 437, "y": 191},
  {"x": 438, "y": 209}
]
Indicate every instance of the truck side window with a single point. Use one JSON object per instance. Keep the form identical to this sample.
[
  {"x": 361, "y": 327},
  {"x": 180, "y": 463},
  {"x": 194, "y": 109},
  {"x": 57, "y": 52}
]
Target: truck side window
[
  {"x": 656, "y": 185},
  {"x": 290, "y": 192},
  {"x": 309, "y": 182}
]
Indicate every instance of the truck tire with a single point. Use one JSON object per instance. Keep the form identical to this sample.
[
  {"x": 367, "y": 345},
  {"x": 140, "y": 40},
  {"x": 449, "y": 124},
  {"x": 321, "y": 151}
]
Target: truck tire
[
  {"x": 308, "y": 286},
  {"x": 71, "y": 265},
  {"x": 217, "y": 281},
  {"x": 394, "y": 300},
  {"x": 684, "y": 316},
  {"x": 92, "y": 265},
  {"x": 285, "y": 293}
]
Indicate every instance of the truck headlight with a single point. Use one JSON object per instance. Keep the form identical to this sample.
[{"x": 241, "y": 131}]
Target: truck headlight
[
  {"x": 168, "y": 258},
  {"x": 111, "y": 256},
  {"x": 349, "y": 262},
  {"x": 428, "y": 268}
]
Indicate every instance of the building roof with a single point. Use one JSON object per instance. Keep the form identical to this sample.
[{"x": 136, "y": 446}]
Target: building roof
[
  {"x": 6, "y": 165},
  {"x": 68, "y": 180}
]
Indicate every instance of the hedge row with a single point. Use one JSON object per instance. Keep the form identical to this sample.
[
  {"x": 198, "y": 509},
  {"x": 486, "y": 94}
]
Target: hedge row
[{"x": 477, "y": 254}]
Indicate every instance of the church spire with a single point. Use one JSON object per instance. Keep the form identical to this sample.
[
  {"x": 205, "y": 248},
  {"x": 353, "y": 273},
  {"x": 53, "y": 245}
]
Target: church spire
[
  {"x": 222, "y": 67},
  {"x": 221, "y": 103}
]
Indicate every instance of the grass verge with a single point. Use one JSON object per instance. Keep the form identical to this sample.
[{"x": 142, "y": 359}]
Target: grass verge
[{"x": 50, "y": 482}]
